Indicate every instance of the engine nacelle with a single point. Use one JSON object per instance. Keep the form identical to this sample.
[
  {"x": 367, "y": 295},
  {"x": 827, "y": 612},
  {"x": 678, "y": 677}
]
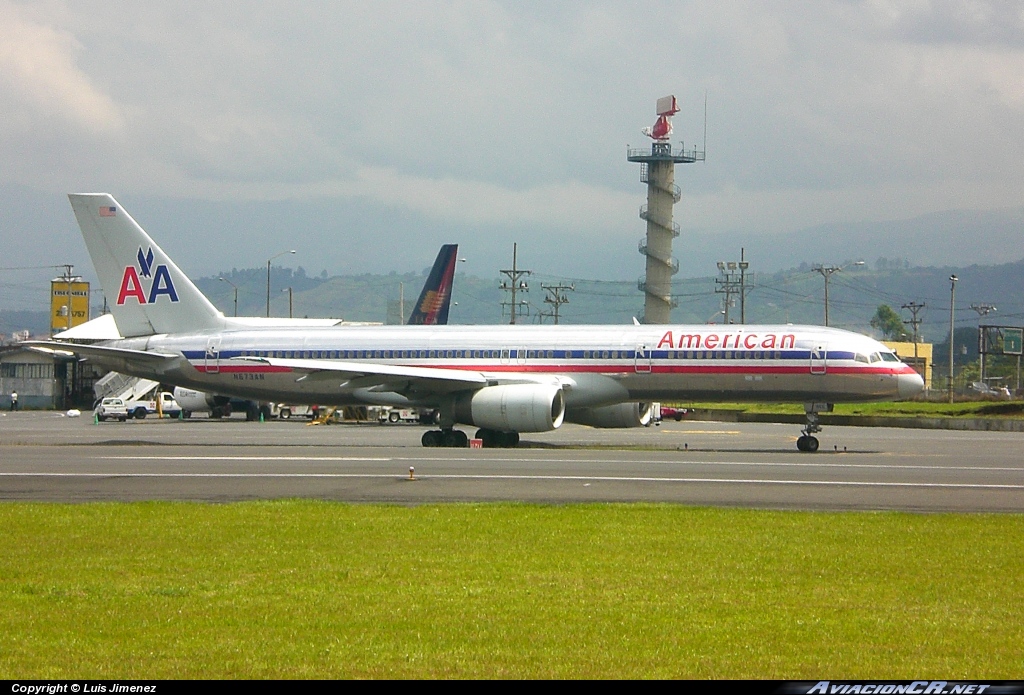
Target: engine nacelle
[
  {"x": 613, "y": 416},
  {"x": 198, "y": 401},
  {"x": 513, "y": 408}
]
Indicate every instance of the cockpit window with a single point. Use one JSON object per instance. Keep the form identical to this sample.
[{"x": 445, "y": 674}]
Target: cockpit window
[
  {"x": 890, "y": 357},
  {"x": 875, "y": 357},
  {"x": 860, "y": 357}
]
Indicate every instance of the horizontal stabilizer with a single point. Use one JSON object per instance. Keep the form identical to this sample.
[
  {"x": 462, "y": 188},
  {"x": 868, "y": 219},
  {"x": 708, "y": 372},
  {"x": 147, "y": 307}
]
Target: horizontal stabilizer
[{"x": 99, "y": 351}]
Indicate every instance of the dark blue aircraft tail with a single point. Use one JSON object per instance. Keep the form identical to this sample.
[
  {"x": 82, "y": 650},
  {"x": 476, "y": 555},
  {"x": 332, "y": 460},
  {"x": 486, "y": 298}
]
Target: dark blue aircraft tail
[{"x": 436, "y": 298}]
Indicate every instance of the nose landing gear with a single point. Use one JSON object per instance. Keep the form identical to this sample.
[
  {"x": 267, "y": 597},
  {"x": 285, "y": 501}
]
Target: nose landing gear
[{"x": 807, "y": 441}]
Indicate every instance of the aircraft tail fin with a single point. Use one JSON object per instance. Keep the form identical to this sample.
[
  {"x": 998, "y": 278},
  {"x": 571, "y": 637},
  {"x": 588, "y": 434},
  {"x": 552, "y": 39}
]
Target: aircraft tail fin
[
  {"x": 436, "y": 298},
  {"x": 146, "y": 291}
]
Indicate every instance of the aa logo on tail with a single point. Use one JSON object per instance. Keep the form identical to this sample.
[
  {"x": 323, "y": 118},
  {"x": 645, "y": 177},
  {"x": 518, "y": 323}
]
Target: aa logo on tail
[{"x": 159, "y": 281}]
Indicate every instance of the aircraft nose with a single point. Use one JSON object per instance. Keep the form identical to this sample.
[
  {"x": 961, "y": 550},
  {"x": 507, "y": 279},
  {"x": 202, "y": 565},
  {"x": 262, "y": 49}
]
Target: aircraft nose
[{"x": 909, "y": 384}]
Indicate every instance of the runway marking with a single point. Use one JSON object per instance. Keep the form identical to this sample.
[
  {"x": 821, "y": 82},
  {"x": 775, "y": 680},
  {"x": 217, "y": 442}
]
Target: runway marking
[
  {"x": 546, "y": 478},
  {"x": 240, "y": 458},
  {"x": 777, "y": 464}
]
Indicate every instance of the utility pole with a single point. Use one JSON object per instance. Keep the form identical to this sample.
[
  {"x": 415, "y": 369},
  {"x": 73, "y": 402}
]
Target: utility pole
[
  {"x": 952, "y": 305},
  {"x": 223, "y": 279},
  {"x": 68, "y": 268},
  {"x": 514, "y": 284},
  {"x": 983, "y": 311},
  {"x": 556, "y": 297},
  {"x": 729, "y": 284},
  {"x": 826, "y": 272},
  {"x": 914, "y": 308}
]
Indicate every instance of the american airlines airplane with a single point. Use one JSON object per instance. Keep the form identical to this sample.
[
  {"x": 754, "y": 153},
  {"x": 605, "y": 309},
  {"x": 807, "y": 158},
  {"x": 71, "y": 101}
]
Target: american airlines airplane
[{"x": 504, "y": 380}]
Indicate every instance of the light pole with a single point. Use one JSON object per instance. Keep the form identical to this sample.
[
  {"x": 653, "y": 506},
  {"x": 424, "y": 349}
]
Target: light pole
[
  {"x": 952, "y": 304},
  {"x": 289, "y": 291},
  {"x": 283, "y": 253},
  {"x": 236, "y": 292},
  {"x": 826, "y": 272}
]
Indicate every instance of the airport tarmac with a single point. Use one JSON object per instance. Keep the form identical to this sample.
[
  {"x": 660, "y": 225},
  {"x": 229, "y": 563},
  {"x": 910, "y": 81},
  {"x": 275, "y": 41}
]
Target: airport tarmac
[{"x": 45, "y": 456}]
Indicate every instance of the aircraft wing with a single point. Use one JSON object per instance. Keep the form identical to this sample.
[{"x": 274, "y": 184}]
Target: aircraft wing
[
  {"x": 407, "y": 380},
  {"x": 379, "y": 377}
]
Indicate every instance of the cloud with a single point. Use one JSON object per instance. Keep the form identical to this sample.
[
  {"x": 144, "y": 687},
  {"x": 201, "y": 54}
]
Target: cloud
[
  {"x": 515, "y": 116},
  {"x": 43, "y": 87}
]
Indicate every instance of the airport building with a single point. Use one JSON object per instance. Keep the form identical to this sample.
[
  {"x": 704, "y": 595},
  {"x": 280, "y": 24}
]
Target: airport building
[{"x": 38, "y": 379}]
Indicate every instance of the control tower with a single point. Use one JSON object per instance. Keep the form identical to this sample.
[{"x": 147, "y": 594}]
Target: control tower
[{"x": 657, "y": 170}]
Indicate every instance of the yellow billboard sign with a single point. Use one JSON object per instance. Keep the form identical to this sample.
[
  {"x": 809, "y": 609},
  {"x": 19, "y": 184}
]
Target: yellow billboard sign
[{"x": 65, "y": 315}]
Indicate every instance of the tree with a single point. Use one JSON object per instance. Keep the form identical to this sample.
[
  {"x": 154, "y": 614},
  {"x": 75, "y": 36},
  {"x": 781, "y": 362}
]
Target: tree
[{"x": 889, "y": 323}]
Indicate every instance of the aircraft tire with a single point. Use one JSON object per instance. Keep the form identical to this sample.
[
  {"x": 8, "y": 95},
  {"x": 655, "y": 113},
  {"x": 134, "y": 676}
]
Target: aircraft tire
[
  {"x": 807, "y": 443},
  {"x": 492, "y": 439},
  {"x": 431, "y": 438},
  {"x": 487, "y": 437},
  {"x": 454, "y": 439},
  {"x": 186, "y": 414}
]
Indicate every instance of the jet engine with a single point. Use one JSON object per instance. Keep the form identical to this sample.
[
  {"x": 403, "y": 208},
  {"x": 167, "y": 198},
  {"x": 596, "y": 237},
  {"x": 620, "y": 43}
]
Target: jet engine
[
  {"x": 612, "y": 416},
  {"x": 192, "y": 401},
  {"x": 513, "y": 408}
]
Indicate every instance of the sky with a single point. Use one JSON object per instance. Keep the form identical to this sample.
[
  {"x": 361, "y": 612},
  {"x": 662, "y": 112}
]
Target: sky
[{"x": 365, "y": 135}]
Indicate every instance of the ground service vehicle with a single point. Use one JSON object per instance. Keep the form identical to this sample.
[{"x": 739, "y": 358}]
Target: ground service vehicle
[
  {"x": 160, "y": 402},
  {"x": 110, "y": 408}
]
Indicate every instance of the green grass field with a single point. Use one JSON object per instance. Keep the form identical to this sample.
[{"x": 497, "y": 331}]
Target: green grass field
[{"x": 300, "y": 589}]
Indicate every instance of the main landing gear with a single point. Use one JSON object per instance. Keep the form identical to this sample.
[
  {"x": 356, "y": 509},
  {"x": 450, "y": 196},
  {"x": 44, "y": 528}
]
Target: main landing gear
[
  {"x": 807, "y": 441},
  {"x": 494, "y": 439},
  {"x": 449, "y": 438},
  {"x": 457, "y": 439}
]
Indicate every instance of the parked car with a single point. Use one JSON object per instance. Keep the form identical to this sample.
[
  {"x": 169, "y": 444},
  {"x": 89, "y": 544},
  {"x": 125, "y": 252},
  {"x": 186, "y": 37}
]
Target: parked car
[
  {"x": 990, "y": 392},
  {"x": 677, "y": 414},
  {"x": 110, "y": 408}
]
